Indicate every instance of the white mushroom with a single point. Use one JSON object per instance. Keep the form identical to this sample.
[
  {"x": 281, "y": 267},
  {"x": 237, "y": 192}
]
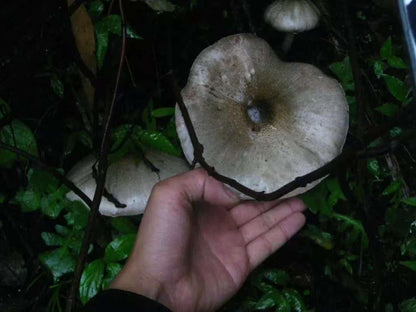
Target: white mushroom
[
  {"x": 129, "y": 180},
  {"x": 291, "y": 17},
  {"x": 262, "y": 122}
]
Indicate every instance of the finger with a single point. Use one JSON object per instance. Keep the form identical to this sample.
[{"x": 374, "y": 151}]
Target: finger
[
  {"x": 269, "y": 219},
  {"x": 247, "y": 211},
  {"x": 263, "y": 246},
  {"x": 193, "y": 186}
]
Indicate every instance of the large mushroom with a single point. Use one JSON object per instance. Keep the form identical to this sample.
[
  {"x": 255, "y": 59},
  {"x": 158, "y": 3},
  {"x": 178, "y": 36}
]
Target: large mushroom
[
  {"x": 129, "y": 181},
  {"x": 292, "y": 17},
  {"x": 262, "y": 122}
]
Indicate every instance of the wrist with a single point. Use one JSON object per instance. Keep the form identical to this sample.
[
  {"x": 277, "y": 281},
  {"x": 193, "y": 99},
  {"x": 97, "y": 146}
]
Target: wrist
[{"x": 139, "y": 283}]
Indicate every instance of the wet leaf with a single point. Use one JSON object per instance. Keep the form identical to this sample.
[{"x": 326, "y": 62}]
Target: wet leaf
[
  {"x": 19, "y": 135},
  {"x": 396, "y": 87},
  {"x": 59, "y": 261},
  {"x": 319, "y": 237},
  {"x": 160, "y": 5},
  {"x": 396, "y": 62},
  {"x": 378, "y": 68},
  {"x": 343, "y": 72},
  {"x": 411, "y": 201},
  {"x": 52, "y": 239},
  {"x": 57, "y": 86},
  {"x": 91, "y": 280},
  {"x": 408, "y": 305},
  {"x": 392, "y": 188},
  {"x": 29, "y": 200},
  {"x": 77, "y": 215},
  {"x": 112, "y": 269},
  {"x": 163, "y": 112},
  {"x": 409, "y": 264},
  {"x": 123, "y": 225},
  {"x": 276, "y": 276},
  {"x": 120, "y": 248},
  {"x": 386, "y": 50},
  {"x": 157, "y": 140},
  {"x": 388, "y": 109}
]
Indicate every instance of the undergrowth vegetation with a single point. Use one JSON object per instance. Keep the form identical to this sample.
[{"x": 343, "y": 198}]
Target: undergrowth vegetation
[{"x": 357, "y": 251}]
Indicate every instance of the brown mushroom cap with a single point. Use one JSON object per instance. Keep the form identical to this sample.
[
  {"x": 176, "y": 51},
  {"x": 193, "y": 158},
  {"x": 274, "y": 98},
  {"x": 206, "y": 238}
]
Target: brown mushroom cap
[
  {"x": 129, "y": 180},
  {"x": 262, "y": 121},
  {"x": 292, "y": 15}
]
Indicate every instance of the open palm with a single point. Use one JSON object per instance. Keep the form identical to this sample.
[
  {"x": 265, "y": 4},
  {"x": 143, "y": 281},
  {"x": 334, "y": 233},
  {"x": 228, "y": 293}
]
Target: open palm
[{"x": 197, "y": 242}]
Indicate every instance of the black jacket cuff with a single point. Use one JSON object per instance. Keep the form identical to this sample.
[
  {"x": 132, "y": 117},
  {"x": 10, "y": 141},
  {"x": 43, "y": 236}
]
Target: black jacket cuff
[{"x": 112, "y": 300}]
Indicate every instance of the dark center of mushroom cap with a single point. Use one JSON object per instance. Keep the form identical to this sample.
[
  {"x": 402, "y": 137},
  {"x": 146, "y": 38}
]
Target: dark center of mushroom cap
[{"x": 258, "y": 113}]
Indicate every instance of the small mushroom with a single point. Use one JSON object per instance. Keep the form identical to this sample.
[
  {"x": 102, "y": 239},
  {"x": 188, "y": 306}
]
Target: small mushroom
[
  {"x": 291, "y": 17},
  {"x": 262, "y": 122},
  {"x": 129, "y": 181}
]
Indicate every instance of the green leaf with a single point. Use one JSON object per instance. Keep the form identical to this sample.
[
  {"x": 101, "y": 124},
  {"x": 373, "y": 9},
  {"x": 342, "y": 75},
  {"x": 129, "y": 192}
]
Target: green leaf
[
  {"x": 392, "y": 188},
  {"x": 267, "y": 301},
  {"x": 124, "y": 225},
  {"x": 386, "y": 50},
  {"x": 109, "y": 24},
  {"x": 408, "y": 305},
  {"x": 59, "y": 261},
  {"x": 343, "y": 72},
  {"x": 77, "y": 215},
  {"x": 91, "y": 280},
  {"x": 276, "y": 276},
  {"x": 131, "y": 33},
  {"x": 102, "y": 46},
  {"x": 79, "y": 137},
  {"x": 409, "y": 264},
  {"x": 295, "y": 300},
  {"x": 315, "y": 199},
  {"x": 2, "y": 198},
  {"x": 374, "y": 167},
  {"x": 396, "y": 87},
  {"x": 57, "y": 86},
  {"x": 319, "y": 237},
  {"x": 335, "y": 191},
  {"x": 157, "y": 140},
  {"x": 163, "y": 112},
  {"x": 4, "y": 109},
  {"x": 95, "y": 8},
  {"x": 379, "y": 68},
  {"x": 388, "y": 109},
  {"x": 62, "y": 230},
  {"x": 411, "y": 201},
  {"x": 53, "y": 203},
  {"x": 160, "y": 5},
  {"x": 29, "y": 200},
  {"x": 356, "y": 226},
  {"x": 396, "y": 131},
  {"x": 52, "y": 239},
  {"x": 42, "y": 181},
  {"x": 396, "y": 62},
  {"x": 19, "y": 135},
  {"x": 120, "y": 248},
  {"x": 112, "y": 269}
]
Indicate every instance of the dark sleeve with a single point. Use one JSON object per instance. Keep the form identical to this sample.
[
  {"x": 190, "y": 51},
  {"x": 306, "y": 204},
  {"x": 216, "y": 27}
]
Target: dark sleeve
[{"x": 115, "y": 300}]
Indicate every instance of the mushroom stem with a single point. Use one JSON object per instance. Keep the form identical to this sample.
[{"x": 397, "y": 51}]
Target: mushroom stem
[{"x": 287, "y": 42}]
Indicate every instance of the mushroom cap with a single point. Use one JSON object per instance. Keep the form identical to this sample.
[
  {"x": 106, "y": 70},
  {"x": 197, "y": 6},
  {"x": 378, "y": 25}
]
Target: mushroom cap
[
  {"x": 292, "y": 15},
  {"x": 129, "y": 180},
  {"x": 262, "y": 122}
]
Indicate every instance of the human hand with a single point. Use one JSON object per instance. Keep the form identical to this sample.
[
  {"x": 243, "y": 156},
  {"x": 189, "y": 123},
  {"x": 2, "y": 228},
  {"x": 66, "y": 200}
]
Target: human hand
[{"x": 197, "y": 242}]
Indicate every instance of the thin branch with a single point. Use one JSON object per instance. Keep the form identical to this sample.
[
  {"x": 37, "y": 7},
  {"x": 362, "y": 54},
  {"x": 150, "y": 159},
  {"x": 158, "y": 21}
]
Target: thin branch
[
  {"x": 101, "y": 175},
  {"x": 61, "y": 178}
]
